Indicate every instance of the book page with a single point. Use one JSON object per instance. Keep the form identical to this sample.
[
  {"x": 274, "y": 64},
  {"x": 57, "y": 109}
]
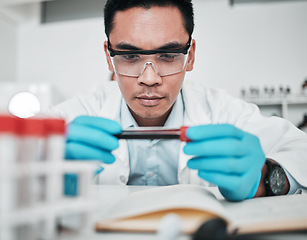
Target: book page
[
  {"x": 143, "y": 210},
  {"x": 167, "y": 197},
  {"x": 268, "y": 214}
]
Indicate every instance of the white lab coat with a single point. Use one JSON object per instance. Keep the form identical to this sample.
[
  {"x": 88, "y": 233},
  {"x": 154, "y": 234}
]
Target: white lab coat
[{"x": 280, "y": 140}]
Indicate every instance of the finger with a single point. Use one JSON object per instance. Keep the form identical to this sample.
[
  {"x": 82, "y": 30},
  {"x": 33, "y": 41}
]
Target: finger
[
  {"x": 80, "y": 151},
  {"x": 226, "y": 165},
  {"x": 227, "y": 181},
  {"x": 202, "y": 132},
  {"x": 107, "y": 125},
  {"x": 247, "y": 187},
  {"x": 235, "y": 187},
  {"x": 216, "y": 147},
  {"x": 251, "y": 142},
  {"x": 229, "y": 185},
  {"x": 92, "y": 137}
]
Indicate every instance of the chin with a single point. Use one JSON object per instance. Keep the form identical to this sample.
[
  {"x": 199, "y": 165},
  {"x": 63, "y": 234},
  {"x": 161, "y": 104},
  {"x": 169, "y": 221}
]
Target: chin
[
  {"x": 150, "y": 112},
  {"x": 150, "y": 115}
]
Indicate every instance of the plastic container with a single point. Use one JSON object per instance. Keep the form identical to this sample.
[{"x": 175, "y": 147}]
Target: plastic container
[
  {"x": 8, "y": 157},
  {"x": 55, "y": 143},
  {"x": 31, "y": 186}
]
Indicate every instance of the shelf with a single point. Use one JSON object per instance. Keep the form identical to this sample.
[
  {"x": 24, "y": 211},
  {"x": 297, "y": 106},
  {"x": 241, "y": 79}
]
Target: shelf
[
  {"x": 291, "y": 108},
  {"x": 278, "y": 101}
]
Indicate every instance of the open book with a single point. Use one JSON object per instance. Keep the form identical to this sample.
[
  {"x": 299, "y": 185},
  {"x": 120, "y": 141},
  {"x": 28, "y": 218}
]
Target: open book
[{"x": 142, "y": 211}]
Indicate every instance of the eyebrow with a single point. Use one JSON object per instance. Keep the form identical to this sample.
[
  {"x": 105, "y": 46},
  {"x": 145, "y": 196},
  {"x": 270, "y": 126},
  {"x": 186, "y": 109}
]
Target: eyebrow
[{"x": 171, "y": 45}]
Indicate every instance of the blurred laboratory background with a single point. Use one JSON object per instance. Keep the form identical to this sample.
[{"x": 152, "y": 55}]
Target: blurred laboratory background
[{"x": 255, "y": 49}]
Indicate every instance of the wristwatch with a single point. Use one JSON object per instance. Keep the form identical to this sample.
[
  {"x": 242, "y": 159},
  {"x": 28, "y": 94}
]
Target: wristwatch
[{"x": 275, "y": 179}]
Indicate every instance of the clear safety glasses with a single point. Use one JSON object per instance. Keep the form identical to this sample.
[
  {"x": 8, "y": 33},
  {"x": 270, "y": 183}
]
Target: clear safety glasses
[{"x": 164, "y": 62}]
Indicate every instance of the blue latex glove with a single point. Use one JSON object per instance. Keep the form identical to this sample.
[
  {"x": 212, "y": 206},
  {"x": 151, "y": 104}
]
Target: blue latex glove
[
  {"x": 89, "y": 138},
  {"x": 228, "y": 157},
  {"x": 92, "y": 138}
]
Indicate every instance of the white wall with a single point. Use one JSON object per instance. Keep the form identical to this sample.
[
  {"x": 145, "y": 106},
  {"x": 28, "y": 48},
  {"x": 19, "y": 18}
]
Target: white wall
[
  {"x": 8, "y": 51},
  {"x": 251, "y": 44},
  {"x": 236, "y": 46},
  {"x": 68, "y": 55}
]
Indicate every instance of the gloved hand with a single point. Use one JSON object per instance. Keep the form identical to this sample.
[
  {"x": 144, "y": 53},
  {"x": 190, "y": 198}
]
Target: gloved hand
[
  {"x": 92, "y": 138},
  {"x": 89, "y": 138},
  {"x": 228, "y": 157}
]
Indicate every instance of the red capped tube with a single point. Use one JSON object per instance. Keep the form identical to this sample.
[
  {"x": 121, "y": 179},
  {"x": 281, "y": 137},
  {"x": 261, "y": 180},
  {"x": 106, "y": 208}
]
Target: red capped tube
[{"x": 183, "y": 137}]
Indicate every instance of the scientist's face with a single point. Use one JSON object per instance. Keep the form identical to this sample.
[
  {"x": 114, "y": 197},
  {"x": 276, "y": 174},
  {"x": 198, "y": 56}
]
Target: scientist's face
[{"x": 149, "y": 96}]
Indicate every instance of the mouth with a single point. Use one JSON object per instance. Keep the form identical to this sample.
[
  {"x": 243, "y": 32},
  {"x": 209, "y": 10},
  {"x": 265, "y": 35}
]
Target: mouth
[{"x": 149, "y": 100}]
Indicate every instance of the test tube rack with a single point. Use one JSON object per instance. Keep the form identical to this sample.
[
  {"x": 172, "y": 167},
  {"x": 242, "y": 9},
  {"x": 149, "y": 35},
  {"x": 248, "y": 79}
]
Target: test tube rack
[{"x": 32, "y": 199}]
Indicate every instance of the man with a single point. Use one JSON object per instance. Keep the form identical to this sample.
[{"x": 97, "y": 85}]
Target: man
[{"x": 150, "y": 48}]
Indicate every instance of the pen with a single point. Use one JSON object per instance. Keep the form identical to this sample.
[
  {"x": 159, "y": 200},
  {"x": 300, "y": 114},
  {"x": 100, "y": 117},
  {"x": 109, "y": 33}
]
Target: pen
[{"x": 154, "y": 133}]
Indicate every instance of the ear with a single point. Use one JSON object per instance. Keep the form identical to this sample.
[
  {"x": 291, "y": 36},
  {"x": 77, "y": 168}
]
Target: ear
[
  {"x": 108, "y": 57},
  {"x": 191, "y": 57}
]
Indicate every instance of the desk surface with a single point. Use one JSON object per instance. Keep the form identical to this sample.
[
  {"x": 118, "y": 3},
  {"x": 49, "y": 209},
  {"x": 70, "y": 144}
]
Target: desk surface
[{"x": 107, "y": 196}]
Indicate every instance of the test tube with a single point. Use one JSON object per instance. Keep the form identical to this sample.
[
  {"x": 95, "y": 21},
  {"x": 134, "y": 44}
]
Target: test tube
[
  {"x": 31, "y": 186},
  {"x": 8, "y": 150},
  {"x": 55, "y": 143}
]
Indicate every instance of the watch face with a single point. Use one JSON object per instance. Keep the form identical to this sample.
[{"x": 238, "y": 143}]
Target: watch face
[{"x": 277, "y": 181}]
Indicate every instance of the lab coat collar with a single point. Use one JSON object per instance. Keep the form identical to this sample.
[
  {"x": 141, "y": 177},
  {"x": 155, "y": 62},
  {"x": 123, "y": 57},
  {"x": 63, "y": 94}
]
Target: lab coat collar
[{"x": 111, "y": 107}]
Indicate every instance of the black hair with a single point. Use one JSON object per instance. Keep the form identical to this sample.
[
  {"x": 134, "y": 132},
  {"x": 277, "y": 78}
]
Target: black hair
[{"x": 113, "y": 6}]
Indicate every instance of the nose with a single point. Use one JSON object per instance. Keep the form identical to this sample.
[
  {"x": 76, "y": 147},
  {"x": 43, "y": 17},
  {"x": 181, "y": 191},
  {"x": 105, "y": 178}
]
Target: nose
[{"x": 149, "y": 76}]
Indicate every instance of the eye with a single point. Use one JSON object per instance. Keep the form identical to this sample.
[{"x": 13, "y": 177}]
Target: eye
[
  {"x": 130, "y": 57},
  {"x": 168, "y": 57}
]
